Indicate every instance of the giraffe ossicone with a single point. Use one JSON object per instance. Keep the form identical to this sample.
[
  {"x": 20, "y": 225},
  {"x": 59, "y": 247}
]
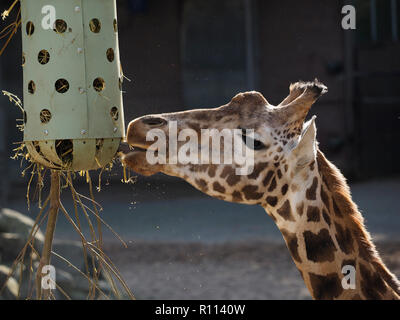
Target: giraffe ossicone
[{"x": 305, "y": 194}]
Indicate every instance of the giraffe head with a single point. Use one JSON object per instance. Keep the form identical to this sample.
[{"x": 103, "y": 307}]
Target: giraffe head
[{"x": 280, "y": 143}]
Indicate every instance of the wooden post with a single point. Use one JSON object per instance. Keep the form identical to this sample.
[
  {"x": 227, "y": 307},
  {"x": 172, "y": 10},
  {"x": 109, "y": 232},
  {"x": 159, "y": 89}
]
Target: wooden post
[{"x": 50, "y": 229}]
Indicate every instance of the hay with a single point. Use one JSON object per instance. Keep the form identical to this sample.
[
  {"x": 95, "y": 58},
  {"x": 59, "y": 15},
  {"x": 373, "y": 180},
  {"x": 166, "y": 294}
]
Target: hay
[
  {"x": 95, "y": 25},
  {"x": 96, "y": 262},
  {"x": 64, "y": 149},
  {"x": 45, "y": 116},
  {"x": 114, "y": 113},
  {"x": 99, "y": 84},
  {"x": 30, "y": 28},
  {"x": 60, "y": 26},
  {"x": 11, "y": 29},
  {"x": 6, "y": 13},
  {"x": 62, "y": 85},
  {"x": 110, "y": 54},
  {"x": 43, "y": 57}
]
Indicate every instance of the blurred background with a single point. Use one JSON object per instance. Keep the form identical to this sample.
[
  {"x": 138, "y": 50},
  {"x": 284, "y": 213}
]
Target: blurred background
[{"x": 184, "y": 54}]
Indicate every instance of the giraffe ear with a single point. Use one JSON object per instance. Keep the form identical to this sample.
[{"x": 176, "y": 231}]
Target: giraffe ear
[{"x": 305, "y": 151}]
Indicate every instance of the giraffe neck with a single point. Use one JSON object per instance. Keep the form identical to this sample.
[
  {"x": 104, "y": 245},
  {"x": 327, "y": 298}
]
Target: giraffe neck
[{"x": 324, "y": 231}]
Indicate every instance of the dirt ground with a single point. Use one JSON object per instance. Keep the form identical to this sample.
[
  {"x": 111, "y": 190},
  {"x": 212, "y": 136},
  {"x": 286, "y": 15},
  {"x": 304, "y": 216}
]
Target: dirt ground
[{"x": 255, "y": 270}]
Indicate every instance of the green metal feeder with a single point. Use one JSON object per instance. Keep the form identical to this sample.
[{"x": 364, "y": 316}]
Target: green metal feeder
[{"x": 74, "y": 117}]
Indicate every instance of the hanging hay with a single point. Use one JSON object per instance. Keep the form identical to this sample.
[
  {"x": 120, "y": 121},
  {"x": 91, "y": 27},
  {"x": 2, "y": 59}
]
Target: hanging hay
[
  {"x": 45, "y": 116},
  {"x": 110, "y": 54},
  {"x": 9, "y": 31},
  {"x": 62, "y": 85},
  {"x": 114, "y": 113},
  {"x": 44, "y": 57},
  {"x": 99, "y": 84},
  {"x": 95, "y": 25},
  {"x": 60, "y": 26},
  {"x": 86, "y": 209}
]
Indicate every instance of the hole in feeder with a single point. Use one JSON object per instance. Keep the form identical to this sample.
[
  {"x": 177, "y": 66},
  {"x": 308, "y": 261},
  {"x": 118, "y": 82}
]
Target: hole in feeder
[
  {"x": 114, "y": 113},
  {"x": 99, "y": 84},
  {"x": 43, "y": 57},
  {"x": 60, "y": 26},
  {"x": 110, "y": 55},
  {"x": 31, "y": 87},
  {"x": 99, "y": 144},
  {"x": 115, "y": 24},
  {"x": 64, "y": 149},
  {"x": 25, "y": 117},
  {"x": 30, "y": 28},
  {"x": 62, "y": 85},
  {"x": 37, "y": 147},
  {"x": 39, "y": 151},
  {"x": 45, "y": 116},
  {"x": 95, "y": 25},
  {"x": 23, "y": 60}
]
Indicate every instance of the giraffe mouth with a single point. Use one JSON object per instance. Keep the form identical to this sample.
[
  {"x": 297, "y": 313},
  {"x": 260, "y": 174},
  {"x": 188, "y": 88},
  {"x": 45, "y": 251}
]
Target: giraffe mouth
[
  {"x": 126, "y": 148},
  {"x": 138, "y": 149},
  {"x": 136, "y": 159}
]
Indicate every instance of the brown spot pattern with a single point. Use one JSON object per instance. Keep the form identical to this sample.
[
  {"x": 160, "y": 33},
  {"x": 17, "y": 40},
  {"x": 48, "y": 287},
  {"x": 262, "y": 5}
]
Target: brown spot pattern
[
  {"x": 237, "y": 196},
  {"x": 272, "y": 201},
  {"x": 202, "y": 184},
  {"x": 284, "y": 189},
  {"x": 319, "y": 247},
  {"x": 212, "y": 170},
  {"x": 300, "y": 209},
  {"x": 313, "y": 214},
  {"x": 258, "y": 168},
  {"x": 344, "y": 239},
  {"x": 291, "y": 241},
  {"x": 325, "y": 287},
  {"x": 250, "y": 192},
  {"x": 217, "y": 187},
  {"x": 311, "y": 192},
  {"x": 372, "y": 285},
  {"x": 336, "y": 209},
  {"x": 230, "y": 175},
  {"x": 349, "y": 262},
  {"x": 324, "y": 197},
  {"x": 272, "y": 185},
  {"x": 326, "y": 217},
  {"x": 285, "y": 211},
  {"x": 268, "y": 177}
]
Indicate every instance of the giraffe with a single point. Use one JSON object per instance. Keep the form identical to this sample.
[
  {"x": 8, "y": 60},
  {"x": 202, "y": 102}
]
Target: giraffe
[{"x": 305, "y": 194}]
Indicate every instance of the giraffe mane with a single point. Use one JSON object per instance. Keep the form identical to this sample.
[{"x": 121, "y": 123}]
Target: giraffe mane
[{"x": 337, "y": 185}]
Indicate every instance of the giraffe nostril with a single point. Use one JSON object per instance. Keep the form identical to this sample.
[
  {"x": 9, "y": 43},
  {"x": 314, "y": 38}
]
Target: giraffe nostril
[{"x": 154, "y": 121}]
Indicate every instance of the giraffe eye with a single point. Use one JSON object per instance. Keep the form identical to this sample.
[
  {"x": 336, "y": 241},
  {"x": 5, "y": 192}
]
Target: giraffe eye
[{"x": 252, "y": 143}]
